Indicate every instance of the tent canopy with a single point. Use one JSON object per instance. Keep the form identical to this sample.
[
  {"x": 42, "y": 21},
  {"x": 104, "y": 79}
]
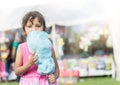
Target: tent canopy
[{"x": 65, "y": 12}]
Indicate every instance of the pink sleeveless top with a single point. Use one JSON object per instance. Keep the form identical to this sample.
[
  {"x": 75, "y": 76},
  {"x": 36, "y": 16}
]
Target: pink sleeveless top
[
  {"x": 32, "y": 71},
  {"x": 31, "y": 77}
]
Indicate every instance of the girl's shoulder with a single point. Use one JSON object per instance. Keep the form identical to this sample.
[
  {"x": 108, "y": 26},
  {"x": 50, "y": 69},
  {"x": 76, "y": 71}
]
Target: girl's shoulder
[
  {"x": 23, "y": 44},
  {"x": 24, "y": 49}
]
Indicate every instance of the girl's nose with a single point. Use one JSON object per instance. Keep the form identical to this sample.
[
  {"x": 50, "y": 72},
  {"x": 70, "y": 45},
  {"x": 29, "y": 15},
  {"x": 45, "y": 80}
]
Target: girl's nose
[{"x": 34, "y": 28}]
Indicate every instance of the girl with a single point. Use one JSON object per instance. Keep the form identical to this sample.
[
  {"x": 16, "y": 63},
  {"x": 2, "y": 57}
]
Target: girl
[{"x": 25, "y": 64}]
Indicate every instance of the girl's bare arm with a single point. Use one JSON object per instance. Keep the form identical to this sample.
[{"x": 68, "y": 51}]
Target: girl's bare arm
[
  {"x": 19, "y": 68},
  {"x": 57, "y": 71}
]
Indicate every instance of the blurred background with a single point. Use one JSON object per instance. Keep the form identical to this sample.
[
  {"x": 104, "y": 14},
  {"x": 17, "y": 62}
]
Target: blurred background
[{"x": 85, "y": 35}]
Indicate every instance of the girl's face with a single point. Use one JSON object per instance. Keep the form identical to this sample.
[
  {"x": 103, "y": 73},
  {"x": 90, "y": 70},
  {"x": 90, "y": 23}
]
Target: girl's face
[{"x": 33, "y": 25}]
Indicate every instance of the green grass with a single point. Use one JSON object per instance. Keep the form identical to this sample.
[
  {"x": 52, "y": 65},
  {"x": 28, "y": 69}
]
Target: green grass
[
  {"x": 97, "y": 81},
  {"x": 9, "y": 83},
  {"x": 85, "y": 81}
]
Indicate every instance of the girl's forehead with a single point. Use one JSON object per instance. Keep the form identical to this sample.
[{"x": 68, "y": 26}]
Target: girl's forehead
[{"x": 32, "y": 21}]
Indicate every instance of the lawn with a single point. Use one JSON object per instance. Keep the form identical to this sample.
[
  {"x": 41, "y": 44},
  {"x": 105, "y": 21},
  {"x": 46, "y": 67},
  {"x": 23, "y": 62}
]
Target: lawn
[{"x": 85, "y": 81}]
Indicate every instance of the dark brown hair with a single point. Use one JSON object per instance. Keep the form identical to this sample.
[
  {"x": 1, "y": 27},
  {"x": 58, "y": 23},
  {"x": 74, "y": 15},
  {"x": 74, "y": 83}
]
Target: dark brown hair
[{"x": 32, "y": 15}]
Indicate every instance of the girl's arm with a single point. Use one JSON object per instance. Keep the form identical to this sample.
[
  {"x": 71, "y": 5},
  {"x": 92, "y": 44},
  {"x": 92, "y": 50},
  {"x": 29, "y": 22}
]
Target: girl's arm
[
  {"x": 53, "y": 77},
  {"x": 19, "y": 68},
  {"x": 57, "y": 71}
]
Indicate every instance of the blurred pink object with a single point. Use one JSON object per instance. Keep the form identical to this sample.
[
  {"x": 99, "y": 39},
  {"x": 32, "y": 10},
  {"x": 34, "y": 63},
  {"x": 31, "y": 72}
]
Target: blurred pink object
[
  {"x": 2, "y": 69},
  {"x": 69, "y": 73}
]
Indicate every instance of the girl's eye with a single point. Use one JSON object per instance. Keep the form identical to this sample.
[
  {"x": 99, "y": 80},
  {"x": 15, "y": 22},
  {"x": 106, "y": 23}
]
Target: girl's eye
[
  {"x": 38, "y": 25},
  {"x": 29, "y": 26}
]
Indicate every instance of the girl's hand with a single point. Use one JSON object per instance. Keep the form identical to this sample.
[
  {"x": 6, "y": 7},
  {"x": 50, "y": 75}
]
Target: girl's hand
[
  {"x": 52, "y": 78},
  {"x": 32, "y": 59}
]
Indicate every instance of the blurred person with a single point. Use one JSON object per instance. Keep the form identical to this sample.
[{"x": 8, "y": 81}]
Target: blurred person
[
  {"x": 3, "y": 63},
  {"x": 17, "y": 40},
  {"x": 26, "y": 62}
]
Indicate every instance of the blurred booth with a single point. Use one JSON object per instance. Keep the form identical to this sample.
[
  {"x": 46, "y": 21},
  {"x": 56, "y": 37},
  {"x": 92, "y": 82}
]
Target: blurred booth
[{"x": 85, "y": 48}]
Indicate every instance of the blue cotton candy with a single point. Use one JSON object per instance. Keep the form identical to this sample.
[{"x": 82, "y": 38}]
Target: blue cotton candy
[{"x": 39, "y": 43}]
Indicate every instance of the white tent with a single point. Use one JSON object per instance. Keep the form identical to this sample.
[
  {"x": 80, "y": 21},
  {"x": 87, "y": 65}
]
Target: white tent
[{"x": 64, "y": 12}]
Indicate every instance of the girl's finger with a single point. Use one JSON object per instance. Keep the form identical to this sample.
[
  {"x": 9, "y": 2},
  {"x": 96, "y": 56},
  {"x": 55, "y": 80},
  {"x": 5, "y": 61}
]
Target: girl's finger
[
  {"x": 33, "y": 54},
  {"x": 52, "y": 81},
  {"x": 51, "y": 78},
  {"x": 35, "y": 58},
  {"x": 36, "y": 62}
]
